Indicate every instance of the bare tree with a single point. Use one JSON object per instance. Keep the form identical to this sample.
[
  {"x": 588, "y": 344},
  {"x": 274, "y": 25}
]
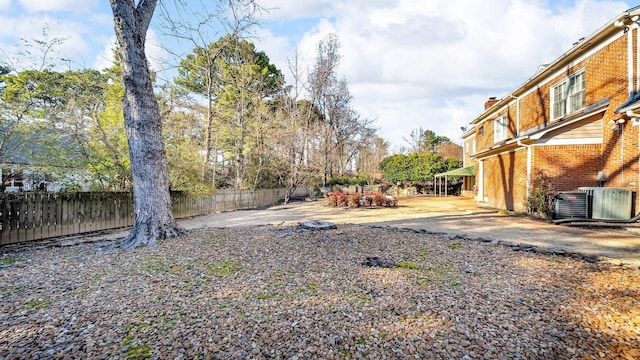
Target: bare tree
[
  {"x": 298, "y": 118},
  {"x": 370, "y": 157},
  {"x": 344, "y": 132},
  {"x": 152, "y": 204}
]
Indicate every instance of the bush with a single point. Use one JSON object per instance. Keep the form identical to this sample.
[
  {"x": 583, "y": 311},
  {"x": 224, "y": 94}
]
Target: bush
[
  {"x": 541, "y": 194},
  {"x": 345, "y": 199},
  {"x": 338, "y": 180},
  {"x": 332, "y": 199},
  {"x": 378, "y": 199}
]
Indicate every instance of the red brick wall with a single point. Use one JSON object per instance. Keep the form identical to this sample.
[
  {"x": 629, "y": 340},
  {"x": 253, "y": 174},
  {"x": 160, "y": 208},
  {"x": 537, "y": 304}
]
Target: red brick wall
[
  {"x": 486, "y": 140},
  {"x": 605, "y": 77},
  {"x": 569, "y": 166},
  {"x": 505, "y": 181},
  {"x": 534, "y": 108},
  {"x": 484, "y": 135}
]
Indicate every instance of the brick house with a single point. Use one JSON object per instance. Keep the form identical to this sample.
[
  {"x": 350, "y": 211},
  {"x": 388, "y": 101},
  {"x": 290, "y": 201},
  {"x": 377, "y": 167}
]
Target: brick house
[
  {"x": 576, "y": 120},
  {"x": 469, "y": 188}
]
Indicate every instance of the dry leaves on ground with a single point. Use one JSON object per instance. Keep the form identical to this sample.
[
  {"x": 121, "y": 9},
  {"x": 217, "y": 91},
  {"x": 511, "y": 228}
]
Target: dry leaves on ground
[{"x": 284, "y": 293}]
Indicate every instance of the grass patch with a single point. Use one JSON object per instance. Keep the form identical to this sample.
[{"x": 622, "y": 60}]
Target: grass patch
[
  {"x": 361, "y": 300},
  {"x": 407, "y": 265},
  {"x": 313, "y": 287},
  {"x": 216, "y": 239},
  {"x": 455, "y": 246},
  {"x": 135, "y": 351},
  {"x": 224, "y": 268},
  {"x": 8, "y": 261},
  {"x": 35, "y": 304}
]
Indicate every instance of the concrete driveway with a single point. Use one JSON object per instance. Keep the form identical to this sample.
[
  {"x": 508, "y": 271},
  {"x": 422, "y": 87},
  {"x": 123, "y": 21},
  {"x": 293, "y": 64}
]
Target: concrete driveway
[{"x": 615, "y": 244}]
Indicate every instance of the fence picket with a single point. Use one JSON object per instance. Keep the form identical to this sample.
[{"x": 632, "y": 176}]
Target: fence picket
[
  {"x": 6, "y": 225},
  {"x": 36, "y": 216}
]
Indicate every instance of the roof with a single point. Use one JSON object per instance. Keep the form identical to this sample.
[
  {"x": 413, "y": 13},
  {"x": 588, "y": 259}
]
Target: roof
[
  {"x": 631, "y": 104},
  {"x": 465, "y": 171},
  {"x": 578, "y": 48},
  {"x": 530, "y": 136}
]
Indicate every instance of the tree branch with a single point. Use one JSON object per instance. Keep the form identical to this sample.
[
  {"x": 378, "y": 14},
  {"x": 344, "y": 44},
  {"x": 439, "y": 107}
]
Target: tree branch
[{"x": 144, "y": 13}]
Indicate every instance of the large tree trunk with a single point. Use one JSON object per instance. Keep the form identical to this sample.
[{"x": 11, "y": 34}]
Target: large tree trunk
[{"x": 151, "y": 201}]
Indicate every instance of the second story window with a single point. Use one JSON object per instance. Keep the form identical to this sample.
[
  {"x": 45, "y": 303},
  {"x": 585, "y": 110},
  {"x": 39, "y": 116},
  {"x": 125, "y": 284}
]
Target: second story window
[
  {"x": 500, "y": 128},
  {"x": 567, "y": 96}
]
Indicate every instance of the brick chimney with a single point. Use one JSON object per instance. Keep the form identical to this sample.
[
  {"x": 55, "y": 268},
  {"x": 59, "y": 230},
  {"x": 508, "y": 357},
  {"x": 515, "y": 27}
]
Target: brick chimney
[{"x": 489, "y": 103}]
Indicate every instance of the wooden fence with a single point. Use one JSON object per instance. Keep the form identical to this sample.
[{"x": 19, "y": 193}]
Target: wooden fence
[{"x": 36, "y": 216}]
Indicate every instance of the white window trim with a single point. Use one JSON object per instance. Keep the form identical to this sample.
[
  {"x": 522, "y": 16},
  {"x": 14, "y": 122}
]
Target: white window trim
[
  {"x": 500, "y": 125},
  {"x": 566, "y": 101}
]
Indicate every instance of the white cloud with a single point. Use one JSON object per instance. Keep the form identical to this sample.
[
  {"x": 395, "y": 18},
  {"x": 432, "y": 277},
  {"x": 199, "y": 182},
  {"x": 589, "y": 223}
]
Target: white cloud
[
  {"x": 156, "y": 54},
  {"x": 104, "y": 59},
  {"x": 295, "y": 9},
  {"x": 59, "y": 5},
  {"x": 5, "y": 4},
  {"x": 24, "y": 30},
  {"x": 411, "y": 63}
]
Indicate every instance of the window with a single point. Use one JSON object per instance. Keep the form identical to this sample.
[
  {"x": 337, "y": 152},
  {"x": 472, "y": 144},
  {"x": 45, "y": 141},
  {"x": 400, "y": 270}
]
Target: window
[
  {"x": 500, "y": 128},
  {"x": 568, "y": 95},
  {"x": 481, "y": 130}
]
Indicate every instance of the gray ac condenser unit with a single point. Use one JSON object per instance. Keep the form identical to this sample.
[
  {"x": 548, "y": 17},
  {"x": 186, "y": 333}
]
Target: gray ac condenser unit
[
  {"x": 571, "y": 205},
  {"x": 608, "y": 203}
]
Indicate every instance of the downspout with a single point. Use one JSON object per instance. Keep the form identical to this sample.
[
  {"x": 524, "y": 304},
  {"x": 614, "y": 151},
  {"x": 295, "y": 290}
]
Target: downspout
[
  {"x": 635, "y": 121},
  {"x": 630, "y": 62},
  {"x": 637, "y": 60},
  {"x": 529, "y": 161},
  {"x": 622, "y": 149},
  {"x": 480, "y": 180},
  {"x": 517, "y": 115}
]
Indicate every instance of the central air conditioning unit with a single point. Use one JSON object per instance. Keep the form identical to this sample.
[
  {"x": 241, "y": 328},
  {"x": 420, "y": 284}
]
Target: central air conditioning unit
[
  {"x": 571, "y": 205},
  {"x": 608, "y": 203}
]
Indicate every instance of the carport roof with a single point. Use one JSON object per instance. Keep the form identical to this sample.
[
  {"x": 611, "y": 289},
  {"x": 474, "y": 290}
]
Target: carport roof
[{"x": 465, "y": 171}]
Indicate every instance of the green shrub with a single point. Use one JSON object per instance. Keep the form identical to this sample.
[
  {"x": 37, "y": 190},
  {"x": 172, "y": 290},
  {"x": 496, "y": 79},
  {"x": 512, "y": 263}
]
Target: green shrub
[{"x": 541, "y": 193}]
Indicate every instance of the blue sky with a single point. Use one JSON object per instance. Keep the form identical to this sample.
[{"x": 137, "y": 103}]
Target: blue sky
[{"x": 409, "y": 63}]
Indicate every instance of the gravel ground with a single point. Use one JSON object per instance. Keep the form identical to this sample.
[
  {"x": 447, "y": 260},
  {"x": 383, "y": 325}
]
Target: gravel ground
[{"x": 279, "y": 292}]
